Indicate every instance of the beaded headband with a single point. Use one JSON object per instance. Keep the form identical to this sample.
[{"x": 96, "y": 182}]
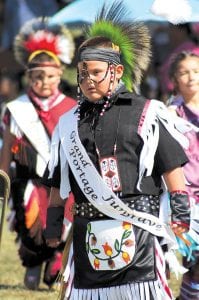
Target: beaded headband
[{"x": 99, "y": 54}]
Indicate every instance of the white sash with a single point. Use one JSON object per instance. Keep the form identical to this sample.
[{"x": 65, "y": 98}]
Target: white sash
[
  {"x": 95, "y": 189},
  {"x": 27, "y": 119}
]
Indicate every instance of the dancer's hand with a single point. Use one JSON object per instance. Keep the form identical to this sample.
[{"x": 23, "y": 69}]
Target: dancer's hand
[
  {"x": 35, "y": 232},
  {"x": 179, "y": 229},
  {"x": 53, "y": 243}
]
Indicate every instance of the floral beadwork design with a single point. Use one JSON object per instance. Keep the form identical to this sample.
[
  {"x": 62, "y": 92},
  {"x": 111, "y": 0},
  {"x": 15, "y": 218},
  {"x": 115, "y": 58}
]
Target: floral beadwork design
[{"x": 110, "y": 246}]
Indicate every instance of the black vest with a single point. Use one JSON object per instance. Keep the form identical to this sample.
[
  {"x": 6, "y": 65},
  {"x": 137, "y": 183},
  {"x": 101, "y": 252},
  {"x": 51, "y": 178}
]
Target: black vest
[{"x": 119, "y": 125}]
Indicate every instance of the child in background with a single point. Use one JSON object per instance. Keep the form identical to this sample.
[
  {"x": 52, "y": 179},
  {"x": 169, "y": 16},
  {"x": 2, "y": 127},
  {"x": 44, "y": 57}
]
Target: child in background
[
  {"x": 184, "y": 73},
  {"x": 29, "y": 121},
  {"x": 111, "y": 152}
]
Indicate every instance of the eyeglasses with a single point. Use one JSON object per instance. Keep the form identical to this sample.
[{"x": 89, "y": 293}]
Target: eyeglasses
[{"x": 97, "y": 76}]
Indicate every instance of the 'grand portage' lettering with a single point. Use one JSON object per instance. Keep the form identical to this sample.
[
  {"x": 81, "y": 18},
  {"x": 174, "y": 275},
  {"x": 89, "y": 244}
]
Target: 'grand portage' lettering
[{"x": 76, "y": 153}]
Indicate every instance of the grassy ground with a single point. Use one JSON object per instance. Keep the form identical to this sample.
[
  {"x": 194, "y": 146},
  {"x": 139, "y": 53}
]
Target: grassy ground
[
  {"x": 175, "y": 284},
  {"x": 12, "y": 273}
]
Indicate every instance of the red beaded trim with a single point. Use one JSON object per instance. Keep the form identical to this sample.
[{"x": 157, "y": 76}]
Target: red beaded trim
[
  {"x": 179, "y": 192},
  {"x": 181, "y": 224}
]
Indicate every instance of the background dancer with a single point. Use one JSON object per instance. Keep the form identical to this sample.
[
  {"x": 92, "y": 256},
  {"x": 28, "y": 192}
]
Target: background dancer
[
  {"x": 184, "y": 72},
  {"x": 29, "y": 121}
]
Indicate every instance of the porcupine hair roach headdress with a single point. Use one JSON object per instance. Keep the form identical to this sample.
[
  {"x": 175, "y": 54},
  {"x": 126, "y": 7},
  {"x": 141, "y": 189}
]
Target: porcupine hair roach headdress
[
  {"x": 130, "y": 42},
  {"x": 39, "y": 36}
]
